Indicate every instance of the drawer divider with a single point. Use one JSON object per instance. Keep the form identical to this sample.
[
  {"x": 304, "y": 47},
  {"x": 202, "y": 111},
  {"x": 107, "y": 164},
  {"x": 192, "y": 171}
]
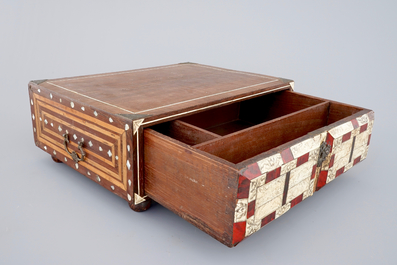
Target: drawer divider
[{"x": 244, "y": 144}]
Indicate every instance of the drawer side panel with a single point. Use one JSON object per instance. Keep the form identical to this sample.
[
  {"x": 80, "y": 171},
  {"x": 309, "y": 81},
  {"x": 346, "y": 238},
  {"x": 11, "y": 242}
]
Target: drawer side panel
[{"x": 194, "y": 186}]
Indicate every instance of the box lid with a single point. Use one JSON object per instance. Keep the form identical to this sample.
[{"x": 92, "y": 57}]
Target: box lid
[{"x": 162, "y": 93}]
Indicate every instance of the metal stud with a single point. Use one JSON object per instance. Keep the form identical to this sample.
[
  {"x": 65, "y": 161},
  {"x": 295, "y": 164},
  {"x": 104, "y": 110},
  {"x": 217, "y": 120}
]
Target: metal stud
[
  {"x": 50, "y": 95},
  {"x": 111, "y": 120},
  {"x": 98, "y": 178},
  {"x": 112, "y": 187},
  {"x": 82, "y": 108},
  {"x": 72, "y": 104}
]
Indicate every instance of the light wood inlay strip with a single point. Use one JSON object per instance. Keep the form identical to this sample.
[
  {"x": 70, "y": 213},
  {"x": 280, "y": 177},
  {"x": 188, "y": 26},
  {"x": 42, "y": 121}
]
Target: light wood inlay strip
[
  {"x": 89, "y": 135},
  {"x": 79, "y": 114},
  {"x": 42, "y": 137},
  {"x": 99, "y": 170},
  {"x": 123, "y": 159},
  {"x": 115, "y": 178},
  {"x": 77, "y": 119},
  {"x": 47, "y": 140}
]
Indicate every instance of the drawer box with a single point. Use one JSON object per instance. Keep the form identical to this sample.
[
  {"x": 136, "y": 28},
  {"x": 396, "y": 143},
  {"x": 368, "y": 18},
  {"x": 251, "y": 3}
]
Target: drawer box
[{"x": 228, "y": 151}]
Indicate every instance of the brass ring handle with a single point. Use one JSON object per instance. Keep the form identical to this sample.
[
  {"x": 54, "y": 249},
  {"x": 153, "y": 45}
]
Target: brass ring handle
[{"x": 73, "y": 154}]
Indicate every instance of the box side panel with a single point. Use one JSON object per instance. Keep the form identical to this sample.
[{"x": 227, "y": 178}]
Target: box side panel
[
  {"x": 191, "y": 184},
  {"x": 273, "y": 185},
  {"x": 106, "y": 139}
]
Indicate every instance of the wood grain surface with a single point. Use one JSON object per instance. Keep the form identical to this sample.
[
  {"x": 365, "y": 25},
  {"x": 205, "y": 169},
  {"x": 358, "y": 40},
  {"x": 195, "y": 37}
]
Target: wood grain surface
[
  {"x": 164, "y": 89},
  {"x": 196, "y": 186}
]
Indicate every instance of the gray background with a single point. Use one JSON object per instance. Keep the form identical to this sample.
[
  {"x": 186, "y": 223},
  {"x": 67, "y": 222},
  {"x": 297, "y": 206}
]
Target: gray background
[{"x": 341, "y": 50}]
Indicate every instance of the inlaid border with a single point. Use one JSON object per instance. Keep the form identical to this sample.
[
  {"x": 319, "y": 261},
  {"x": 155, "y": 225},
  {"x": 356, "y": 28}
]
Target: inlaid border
[
  {"x": 117, "y": 125},
  {"x": 272, "y": 186}
]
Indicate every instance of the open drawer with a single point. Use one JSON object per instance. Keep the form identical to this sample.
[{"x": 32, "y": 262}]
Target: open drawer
[
  {"x": 232, "y": 169},
  {"x": 229, "y": 151}
]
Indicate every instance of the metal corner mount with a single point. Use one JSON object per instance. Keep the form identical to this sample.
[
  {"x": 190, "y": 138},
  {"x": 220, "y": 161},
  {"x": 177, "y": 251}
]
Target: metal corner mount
[
  {"x": 38, "y": 82},
  {"x": 288, "y": 81},
  {"x": 138, "y": 199}
]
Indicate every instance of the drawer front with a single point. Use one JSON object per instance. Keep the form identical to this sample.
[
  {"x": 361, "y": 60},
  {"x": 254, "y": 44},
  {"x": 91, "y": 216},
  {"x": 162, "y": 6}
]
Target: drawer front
[
  {"x": 271, "y": 186},
  {"x": 106, "y": 145}
]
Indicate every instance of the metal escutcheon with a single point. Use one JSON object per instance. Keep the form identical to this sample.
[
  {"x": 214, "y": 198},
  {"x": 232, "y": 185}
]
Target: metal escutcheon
[
  {"x": 324, "y": 152},
  {"x": 73, "y": 154}
]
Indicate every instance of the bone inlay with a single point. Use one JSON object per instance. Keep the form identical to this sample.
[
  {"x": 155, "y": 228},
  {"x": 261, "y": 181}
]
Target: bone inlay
[
  {"x": 298, "y": 181},
  {"x": 54, "y": 140}
]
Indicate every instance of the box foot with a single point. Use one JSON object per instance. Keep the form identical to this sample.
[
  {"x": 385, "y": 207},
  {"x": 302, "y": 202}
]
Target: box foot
[
  {"x": 141, "y": 207},
  {"x": 56, "y": 160}
]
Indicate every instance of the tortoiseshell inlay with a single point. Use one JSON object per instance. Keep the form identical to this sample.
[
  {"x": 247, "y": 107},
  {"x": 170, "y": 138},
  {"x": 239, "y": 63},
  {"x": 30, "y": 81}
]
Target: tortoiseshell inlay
[{"x": 289, "y": 177}]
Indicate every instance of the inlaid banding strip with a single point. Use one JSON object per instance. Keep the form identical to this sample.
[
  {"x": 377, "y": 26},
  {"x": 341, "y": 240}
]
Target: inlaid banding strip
[
  {"x": 286, "y": 187},
  {"x": 53, "y": 139},
  {"x": 352, "y": 150}
]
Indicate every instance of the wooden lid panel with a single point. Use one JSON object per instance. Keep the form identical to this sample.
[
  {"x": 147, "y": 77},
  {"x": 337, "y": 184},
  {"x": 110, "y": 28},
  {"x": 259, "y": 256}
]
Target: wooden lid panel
[{"x": 160, "y": 90}]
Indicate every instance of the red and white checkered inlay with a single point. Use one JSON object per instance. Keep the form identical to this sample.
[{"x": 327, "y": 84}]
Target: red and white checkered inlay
[{"x": 272, "y": 186}]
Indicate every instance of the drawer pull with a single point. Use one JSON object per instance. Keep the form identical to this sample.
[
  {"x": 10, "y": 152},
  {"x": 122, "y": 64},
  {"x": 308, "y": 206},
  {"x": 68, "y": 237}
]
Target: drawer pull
[
  {"x": 73, "y": 154},
  {"x": 324, "y": 152}
]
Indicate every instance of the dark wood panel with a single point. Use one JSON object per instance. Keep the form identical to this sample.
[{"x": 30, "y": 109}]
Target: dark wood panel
[
  {"x": 186, "y": 133},
  {"x": 230, "y": 127},
  {"x": 191, "y": 184},
  {"x": 239, "y": 116},
  {"x": 247, "y": 143},
  {"x": 268, "y": 107},
  {"x": 214, "y": 117},
  {"x": 338, "y": 111}
]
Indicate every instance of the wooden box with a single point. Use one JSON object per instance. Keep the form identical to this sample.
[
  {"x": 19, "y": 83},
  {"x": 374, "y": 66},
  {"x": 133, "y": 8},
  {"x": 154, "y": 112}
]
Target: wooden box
[{"x": 228, "y": 151}]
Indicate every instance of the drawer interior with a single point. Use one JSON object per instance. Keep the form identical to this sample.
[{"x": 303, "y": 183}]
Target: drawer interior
[{"x": 239, "y": 131}]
